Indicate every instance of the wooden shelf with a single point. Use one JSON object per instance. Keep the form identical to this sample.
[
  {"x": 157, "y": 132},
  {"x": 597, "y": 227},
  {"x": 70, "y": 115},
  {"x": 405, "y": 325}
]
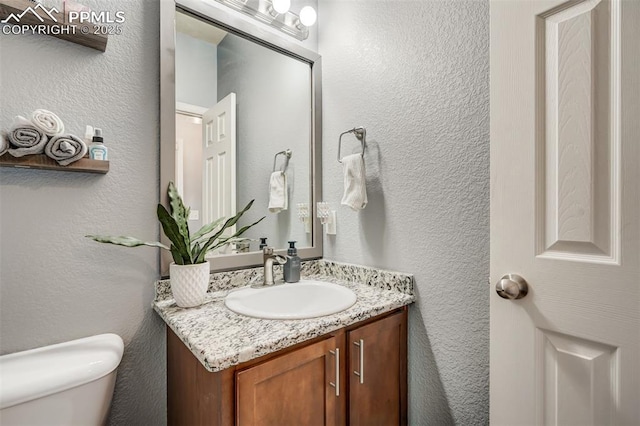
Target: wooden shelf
[
  {"x": 42, "y": 162},
  {"x": 17, "y": 7}
]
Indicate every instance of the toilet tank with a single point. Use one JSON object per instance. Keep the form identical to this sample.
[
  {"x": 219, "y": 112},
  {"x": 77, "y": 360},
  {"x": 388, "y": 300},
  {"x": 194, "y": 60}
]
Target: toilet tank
[{"x": 64, "y": 384}]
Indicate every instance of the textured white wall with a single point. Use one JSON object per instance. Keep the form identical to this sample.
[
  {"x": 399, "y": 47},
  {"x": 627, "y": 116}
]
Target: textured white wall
[
  {"x": 416, "y": 75},
  {"x": 57, "y": 285},
  {"x": 196, "y": 71}
]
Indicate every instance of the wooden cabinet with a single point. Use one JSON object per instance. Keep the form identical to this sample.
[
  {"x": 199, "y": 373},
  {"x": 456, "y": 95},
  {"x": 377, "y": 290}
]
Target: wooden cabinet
[
  {"x": 353, "y": 376},
  {"x": 297, "y": 388},
  {"x": 377, "y": 369}
]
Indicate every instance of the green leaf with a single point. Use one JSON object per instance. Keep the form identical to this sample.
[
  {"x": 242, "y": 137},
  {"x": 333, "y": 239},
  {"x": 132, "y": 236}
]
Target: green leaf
[
  {"x": 234, "y": 238},
  {"x": 230, "y": 222},
  {"x": 206, "y": 229},
  {"x": 179, "y": 212},
  {"x": 212, "y": 244},
  {"x": 194, "y": 249},
  {"x": 125, "y": 241},
  {"x": 177, "y": 257},
  {"x": 172, "y": 231}
]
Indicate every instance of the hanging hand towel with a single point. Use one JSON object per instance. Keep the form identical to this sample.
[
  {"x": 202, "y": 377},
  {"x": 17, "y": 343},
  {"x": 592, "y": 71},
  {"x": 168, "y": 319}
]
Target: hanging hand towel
[
  {"x": 65, "y": 149},
  {"x": 278, "y": 192},
  {"x": 48, "y": 122},
  {"x": 25, "y": 138},
  {"x": 355, "y": 187}
]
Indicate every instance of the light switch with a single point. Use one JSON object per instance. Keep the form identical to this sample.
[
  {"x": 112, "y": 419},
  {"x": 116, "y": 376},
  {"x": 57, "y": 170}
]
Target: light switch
[{"x": 194, "y": 215}]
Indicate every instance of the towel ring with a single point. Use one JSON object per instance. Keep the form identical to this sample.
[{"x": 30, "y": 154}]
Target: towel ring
[
  {"x": 360, "y": 134},
  {"x": 287, "y": 154}
]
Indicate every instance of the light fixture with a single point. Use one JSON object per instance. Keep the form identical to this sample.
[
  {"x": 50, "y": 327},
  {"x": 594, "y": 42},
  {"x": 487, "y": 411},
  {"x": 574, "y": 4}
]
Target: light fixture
[
  {"x": 281, "y": 6},
  {"x": 308, "y": 16},
  {"x": 276, "y": 13}
]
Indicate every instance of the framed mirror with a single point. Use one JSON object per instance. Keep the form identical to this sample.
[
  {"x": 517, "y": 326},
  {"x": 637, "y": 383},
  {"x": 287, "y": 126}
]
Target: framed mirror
[{"x": 240, "y": 121}]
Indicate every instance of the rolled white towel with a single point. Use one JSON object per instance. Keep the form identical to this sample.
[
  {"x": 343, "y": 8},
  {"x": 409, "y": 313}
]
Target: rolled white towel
[
  {"x": 65, "y": 149},
  {"x": 355, "y": 185},
  {"x": 48, "y": 122},
  {"x": 25, "y": 138},
  {"x": 4, "y": 144}
]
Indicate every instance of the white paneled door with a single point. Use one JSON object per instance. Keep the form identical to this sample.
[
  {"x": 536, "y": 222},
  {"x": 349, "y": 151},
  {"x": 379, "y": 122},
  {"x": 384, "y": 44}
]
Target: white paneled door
[
  {"x": 565, "y": 212},
  {"x": 219, "y": 161}
]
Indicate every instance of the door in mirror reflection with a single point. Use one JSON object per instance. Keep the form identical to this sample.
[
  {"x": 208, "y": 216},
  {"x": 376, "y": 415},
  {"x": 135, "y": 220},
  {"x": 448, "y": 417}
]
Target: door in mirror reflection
[
  {"x": 272, "y": 113},
  {"x": 219, "y": 162}
]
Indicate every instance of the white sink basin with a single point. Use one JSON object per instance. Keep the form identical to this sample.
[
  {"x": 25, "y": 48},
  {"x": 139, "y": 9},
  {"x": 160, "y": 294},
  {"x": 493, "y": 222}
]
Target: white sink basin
[{"x": 304, "y": 299}]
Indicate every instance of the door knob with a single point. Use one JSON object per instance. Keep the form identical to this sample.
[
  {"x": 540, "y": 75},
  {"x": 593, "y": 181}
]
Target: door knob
[{"x": 512, "y": 286}]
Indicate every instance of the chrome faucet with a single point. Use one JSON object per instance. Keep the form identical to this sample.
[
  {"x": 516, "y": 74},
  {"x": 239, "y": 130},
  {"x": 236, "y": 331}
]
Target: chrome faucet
[{"x": 269, "y": 259}]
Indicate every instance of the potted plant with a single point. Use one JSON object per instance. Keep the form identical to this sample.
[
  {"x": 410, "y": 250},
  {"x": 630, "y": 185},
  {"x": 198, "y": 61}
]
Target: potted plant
[{"x": 189, "y": 272}]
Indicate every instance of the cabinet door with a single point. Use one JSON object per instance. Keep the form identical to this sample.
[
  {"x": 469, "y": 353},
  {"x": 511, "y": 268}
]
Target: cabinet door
[
  {"x": 377, "y": 368},
  {"x": 297, "y": 388}
]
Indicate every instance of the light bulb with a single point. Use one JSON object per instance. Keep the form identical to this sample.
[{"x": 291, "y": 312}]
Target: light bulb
[
  {"x": 281, "y": 6},
  {"x": 308, "y": 16}
]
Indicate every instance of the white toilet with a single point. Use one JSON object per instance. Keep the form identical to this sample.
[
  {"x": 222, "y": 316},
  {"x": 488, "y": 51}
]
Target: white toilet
[{"x": 69, "y": 383}]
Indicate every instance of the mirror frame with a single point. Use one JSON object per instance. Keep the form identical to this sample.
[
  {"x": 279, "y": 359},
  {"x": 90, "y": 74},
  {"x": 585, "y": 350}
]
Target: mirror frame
[{"x": 241, "y": 26}]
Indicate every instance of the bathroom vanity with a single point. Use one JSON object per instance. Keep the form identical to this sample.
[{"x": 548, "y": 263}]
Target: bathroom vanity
[
  {"x": 349, "y": 367},
  {"x": 315, "y": 383}
]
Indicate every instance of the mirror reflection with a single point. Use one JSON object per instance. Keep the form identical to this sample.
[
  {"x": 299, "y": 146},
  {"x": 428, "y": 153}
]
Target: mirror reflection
[{"x": 243, "y": 131}]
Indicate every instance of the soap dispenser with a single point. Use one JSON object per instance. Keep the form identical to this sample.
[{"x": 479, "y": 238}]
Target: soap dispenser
[
  {"x": 263, "y": 242},
  {"x": 292, "y": 267}
]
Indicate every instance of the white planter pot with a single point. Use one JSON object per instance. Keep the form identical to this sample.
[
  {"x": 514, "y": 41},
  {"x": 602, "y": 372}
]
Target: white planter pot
[{"x": 189, "y": 283}]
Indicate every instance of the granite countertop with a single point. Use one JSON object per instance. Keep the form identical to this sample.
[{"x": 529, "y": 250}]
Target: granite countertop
[{"x": 219, "y": 338}]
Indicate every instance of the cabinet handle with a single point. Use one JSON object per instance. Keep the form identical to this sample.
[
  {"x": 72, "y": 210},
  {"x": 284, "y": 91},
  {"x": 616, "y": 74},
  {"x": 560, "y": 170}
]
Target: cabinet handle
[
  {"x": 336, "y": 385},
  {"x": 360, "y": 373}
]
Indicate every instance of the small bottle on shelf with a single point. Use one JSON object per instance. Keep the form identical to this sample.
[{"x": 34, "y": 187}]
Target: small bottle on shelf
[{"x": 97, "y": 150}]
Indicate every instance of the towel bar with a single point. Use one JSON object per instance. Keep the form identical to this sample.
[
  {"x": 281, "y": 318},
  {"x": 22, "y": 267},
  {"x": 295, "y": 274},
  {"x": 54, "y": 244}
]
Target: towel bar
[
  {"x": 287, "y": 154},
  {"x": 360, "y": 133}
]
